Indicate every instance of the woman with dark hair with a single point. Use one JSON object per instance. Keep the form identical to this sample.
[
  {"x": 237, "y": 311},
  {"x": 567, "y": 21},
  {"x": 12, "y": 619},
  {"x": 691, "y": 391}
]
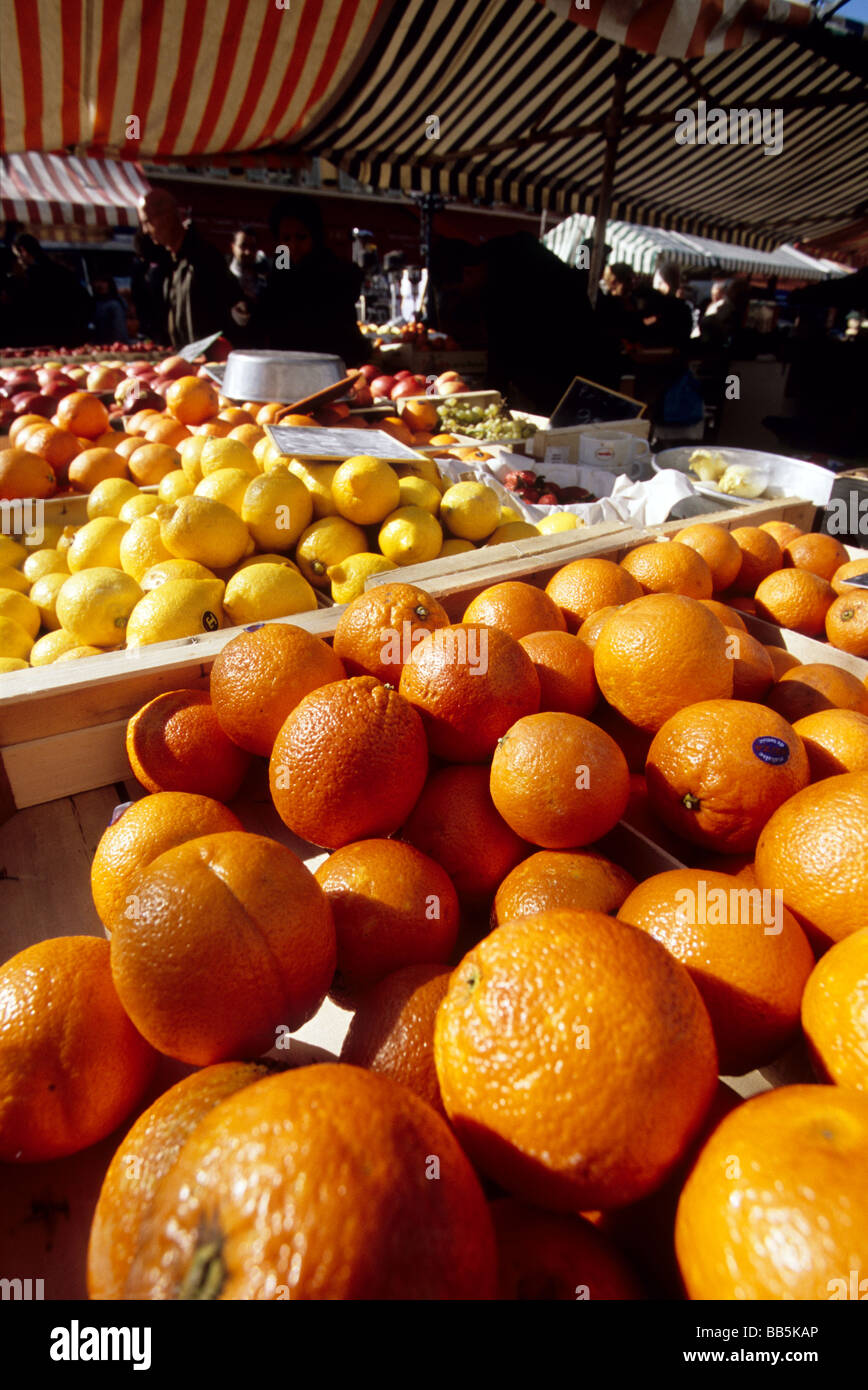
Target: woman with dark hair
[
  {"x": 309, "y": 303},
  {"x": 55, "y": 308}
]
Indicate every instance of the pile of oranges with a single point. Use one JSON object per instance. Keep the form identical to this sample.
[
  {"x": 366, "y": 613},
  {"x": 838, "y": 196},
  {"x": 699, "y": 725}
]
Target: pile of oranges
[{"x": 528, "y": 1103}]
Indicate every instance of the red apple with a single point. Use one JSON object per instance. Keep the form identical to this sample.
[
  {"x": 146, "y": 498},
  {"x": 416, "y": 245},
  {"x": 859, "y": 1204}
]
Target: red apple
[
  {"x": 32, "y": 403},
  {"x": 404, "y": 388},
  {"x": 58, "y": 389},
  {"x": 362, "y": 397},
  {"x": 399, "y": 376},
  {"x": 172, "y": 367},
  {"x": 450, "y": 388},
  {"x": 369, "y": 371},
  {"x": 103, "y": 378},
  {"x": 138, "y": 368},
  {"x": 382, "y": 386},
  {"x": 447, "y": 376}
]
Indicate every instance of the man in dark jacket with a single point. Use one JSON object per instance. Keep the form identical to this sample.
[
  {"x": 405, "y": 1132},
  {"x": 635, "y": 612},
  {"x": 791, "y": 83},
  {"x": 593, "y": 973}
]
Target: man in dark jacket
[
  {"x": 201, "y": 293},
  {"x": 53, "y": 307}
]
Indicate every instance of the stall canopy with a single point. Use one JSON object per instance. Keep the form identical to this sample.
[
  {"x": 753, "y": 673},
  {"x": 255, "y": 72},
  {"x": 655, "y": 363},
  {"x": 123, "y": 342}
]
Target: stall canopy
[
  {"x": 498, "y": 100},
  {"x": 54, "y": 191},
  {"x": 644, "y": 248}
]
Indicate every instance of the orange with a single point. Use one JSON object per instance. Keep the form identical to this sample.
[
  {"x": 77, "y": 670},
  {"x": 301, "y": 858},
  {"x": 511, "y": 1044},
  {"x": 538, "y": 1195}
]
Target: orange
[
  {"x": 259, "y": 677},
  {"x": 144, "y": 830},
  {"x": 782, "y": 531},
  {"x": 227, "y": 943},
  {"x": 582, "y": 881},
  {"x": 135, "y": 424},
  {"x": 782, "y": 660},
  {"x": 717, "y": 548},
  {"x": 127, "y": 444},
  {"x": 214, "y": 429},
  {"x": 667, "y": 567},
  {"x": 148, "y": 1152},
  {"x": 741, "y": 604},
  {"x": 836, "y": 740},
  {"x": 730, "y": 617},
  {"x": 760, "y": 555},
  {"x": 20, "y": 424},
  {"x": 392, "y": 1030},
  {"x": 149, "y": 463},
  {"x": 298, "y": 421},
  {"x": 72, "y": 1066},
  {"x": 584, "y": 586},
  {"x": 455, "y": 823},
  {"x": 348, "y": 763},
  {"x": 83, "y": 414},
  {"x": 575, "y": 1058},
  {"x": 660, "y": 653},
  {"x": 777, "y": 1204},
  {"x": 165, "y": 430},
  {"x": 192, "y": 400},
  {"x": 814, "y": 686},
  {"x": 642, "y": 817},
  {"x": 841, "y": 580},
  {"x": 25, "y": 475},
  {"x": 817, "y": 553},
  {"x": 717, "y": 770},
  {"x": 247, "y": 434},
  {"x": 377, "y": 631},
  {"x": 847, "y": 622},
  {"x": 543, "y": 1255},
  {"x": 392, "y": 906},
  {"x": 565, "y": 669},
  {"x": 394, "y": 425},
  {"x": 753, "y": 672},
  {"x": 591, "y": 628},
  {"x": 57, "y": 447},
  {"x": 815, "y": 850},
  {"x": 235, "y": 415},
  {"x": 515, "y": 608},
  {"x": 354, "y": 1189},
  {"x": 558, "y": 780},
  {"x": 175, "y": 744},
  {"x": 835, "y": 1013},
  {"x": 796, "y": 599},
  {"x": 93, "y": 466},
  {"x": 747, "y": 956},
  {"x": 632, "y": 741},
  {"x": 469, "y": 683}
]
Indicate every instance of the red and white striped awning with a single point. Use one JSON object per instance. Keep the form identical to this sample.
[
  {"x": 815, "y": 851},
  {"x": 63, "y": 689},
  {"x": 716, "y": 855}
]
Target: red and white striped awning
[
  {"x": 682, "y": 28},
  {"x": 58, "y": 190}
]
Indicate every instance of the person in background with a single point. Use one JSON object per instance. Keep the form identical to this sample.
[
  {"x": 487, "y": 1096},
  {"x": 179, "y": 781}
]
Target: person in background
[
  {"x": 617, "y": 323},
  {"x": 54, "y": 308},
  {"x": 674, "y": 319},
  {"x": 309, "y": 304},
  {"x": 249, "y": 265},
  {"x": 200, "y": 293},
  {"x": 109, "y": 312},
  {"x": 717, "y": 322}
]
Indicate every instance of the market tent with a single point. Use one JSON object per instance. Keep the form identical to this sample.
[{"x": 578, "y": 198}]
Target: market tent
[
  {"x": 643, "y": 247},
  {"x": 500, "y": 100},
  {"x": 54, "y": 191}
]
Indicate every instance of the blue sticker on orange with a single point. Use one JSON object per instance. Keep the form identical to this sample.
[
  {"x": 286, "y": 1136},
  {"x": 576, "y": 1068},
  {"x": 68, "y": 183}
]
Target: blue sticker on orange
[{"x": 771, "y": 750}]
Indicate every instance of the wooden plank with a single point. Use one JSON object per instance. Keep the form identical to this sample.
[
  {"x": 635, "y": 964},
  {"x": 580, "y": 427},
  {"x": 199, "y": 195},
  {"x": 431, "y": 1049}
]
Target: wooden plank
[
  {"x": 807, "y": 649},
  {"x": 47, "y": 768}
]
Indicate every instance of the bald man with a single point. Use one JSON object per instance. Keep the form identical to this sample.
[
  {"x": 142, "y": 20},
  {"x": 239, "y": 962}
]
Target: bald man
[{"x": 201, "y": 294}]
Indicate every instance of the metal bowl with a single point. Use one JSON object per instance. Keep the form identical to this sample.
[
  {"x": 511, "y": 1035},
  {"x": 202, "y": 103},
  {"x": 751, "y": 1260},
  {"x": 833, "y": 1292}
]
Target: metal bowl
[{"x": 254, "y": 375}]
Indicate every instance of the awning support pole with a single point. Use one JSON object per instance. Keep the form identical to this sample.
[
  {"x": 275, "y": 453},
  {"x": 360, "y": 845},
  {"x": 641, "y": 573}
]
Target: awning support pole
[{"x": 624, "y": 65}]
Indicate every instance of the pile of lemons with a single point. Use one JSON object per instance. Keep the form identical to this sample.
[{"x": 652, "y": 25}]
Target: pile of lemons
[{"x": 234, "y": 536}]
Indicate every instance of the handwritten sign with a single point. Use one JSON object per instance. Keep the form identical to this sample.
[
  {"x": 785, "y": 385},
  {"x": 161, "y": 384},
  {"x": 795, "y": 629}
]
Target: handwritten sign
[
  {"x": 217, "y": 371},
  {"x": 587, "y": 403},
  {"x": 194, "y": 350},
  {"x": 313, "y": 442}
]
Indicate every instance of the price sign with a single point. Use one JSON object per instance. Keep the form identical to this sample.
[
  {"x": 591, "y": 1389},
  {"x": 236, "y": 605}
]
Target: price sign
[
  {"x": 587, "y": 403},
  {"x": 320, "y": 442},
  {"x": 194, "y": 350}
]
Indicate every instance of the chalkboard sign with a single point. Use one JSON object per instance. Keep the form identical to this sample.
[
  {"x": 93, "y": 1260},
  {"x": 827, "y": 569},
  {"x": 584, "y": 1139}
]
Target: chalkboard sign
[
  {"x": 194, "y": 350},
  {"x": 313, "y": 442},
  {"x": 217, "y": 371},
  {"x": 587, "y": 403}
]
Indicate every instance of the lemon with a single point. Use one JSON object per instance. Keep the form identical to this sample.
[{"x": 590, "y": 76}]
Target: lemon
[
  {"x": 15, "y": 641},
  {"x": 98, "y": 542},
  {"x": 317, "y": 478},
  {"x": 508, "y": 514},
  {"x": 11, "y": 552},
  {"x": 557, "y": 521},
  {"x": 227, "y": 453},
  {"x": 52, "y": 645},
  {"x": 178, "y": 608},
  {"x": 107, "y": 498},
  {"x": 419, "y": 492},
  {"x": 227, "y": 485},
  {"x": 348, "y": 578},
  {"x": 190, "y": 450},
  {"x": 44, "y": 595},
  {"x": 41, "y": 536},
  {"x": 277, "y": 508},
  {"x": 410, "y": 536},
  {"x": 265, "y": 453},
  {"x": 14, "y": 579},
  {"x": 267, "y": 559},
  {"x": 198, "y": 528},
  {"x": 20, "y": 609},
  {"x": 512, "y": 531},
  {"x": 41, "y": 562},
  {"x": 365, "y": 490},
  {"x": 470, "y": 511},
  {"x": 326, "y": 543},
  {"x": 65, "y": 539},
  {"x": 175, "y": 484},
  {"x": 95, "y": 605},
  {"x": 142, "y": 547},
  {"x": 136, "y": 507},
  {"x": 76, "y": 653},
  {"x": 267, "y": 591},
  {"x": 453, "y": 546},
  {"x": 426, "y": 468},
  {"x": 173, "y": 569},
  {"x": 12, "y": 663}
]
